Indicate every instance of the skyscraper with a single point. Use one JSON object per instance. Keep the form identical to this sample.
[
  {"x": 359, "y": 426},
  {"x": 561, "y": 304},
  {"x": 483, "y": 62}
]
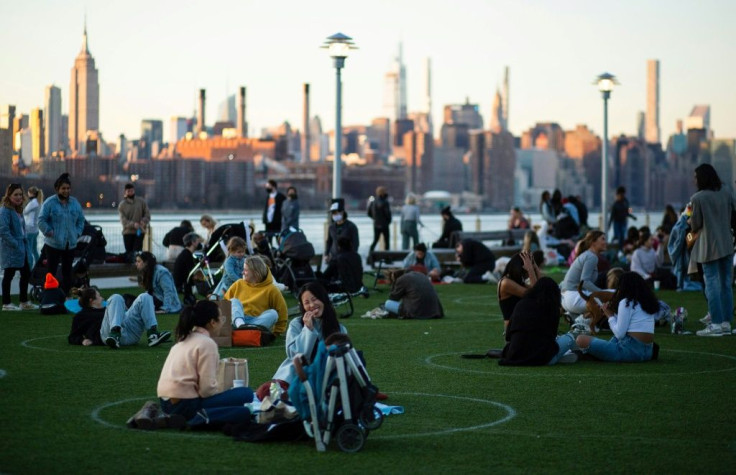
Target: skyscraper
[
  {"x": 84, "y": 98},
  {"x": 37, "y": 134},
  {"x": 52, "y": 119},
  {"x": 177, "y": 129},
  {"x": 497, "y": 120},
  {"x": 652, "y": 115},
  {"x": 394, "y": 100},
  {"x": 428, "y": 93},
  {"x": 152, "y": 137}
]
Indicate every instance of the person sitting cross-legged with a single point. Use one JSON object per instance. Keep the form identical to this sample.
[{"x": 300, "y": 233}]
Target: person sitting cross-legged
[{"x": 256, "y": 300}]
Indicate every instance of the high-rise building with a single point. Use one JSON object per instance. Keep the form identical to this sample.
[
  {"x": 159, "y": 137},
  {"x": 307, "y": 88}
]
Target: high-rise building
[
  {"x": 699, "y": 118},
  {"x": 52, "y": 120},
  {"x": 463, "y": 114},
  {"x": 652, "y": 116},
  {"x": 152, "y": 137},
  {"x": 641, "y": 126},
  {"x": 394, "y": 100},
  {"x": 226, "y": 110},
  {"x": 37, "y": 135},
  {"x": 7, "y": 118},
  {"x": 178, "y": 128},
  {"x": 84, "y": 98},
  {"x": 428, "y": 93},
  {"x": 497, "y": 120}
]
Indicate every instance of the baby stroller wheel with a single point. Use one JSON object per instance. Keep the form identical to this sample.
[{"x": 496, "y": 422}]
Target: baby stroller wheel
[
  {"x": 371, "y": 418},
  {"x": 35, "y": 294},
  {"x": 350, "y": 438}
]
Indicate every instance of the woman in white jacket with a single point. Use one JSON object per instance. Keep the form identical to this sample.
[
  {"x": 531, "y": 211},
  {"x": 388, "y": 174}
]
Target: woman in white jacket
[{"x": 30, "y": 216}]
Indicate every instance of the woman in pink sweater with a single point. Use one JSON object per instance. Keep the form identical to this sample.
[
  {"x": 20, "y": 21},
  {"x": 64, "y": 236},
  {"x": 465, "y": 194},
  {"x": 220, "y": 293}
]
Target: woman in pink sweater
[{"x": 188, "y": 381}]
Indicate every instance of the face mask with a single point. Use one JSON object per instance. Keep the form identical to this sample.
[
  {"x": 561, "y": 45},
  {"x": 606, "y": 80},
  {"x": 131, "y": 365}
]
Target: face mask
[
  {"x": 199, "y": 247},
  {"x": 292, "y": 196},
  {"x": 269, "y": 190},
  {"x": 337, "y": 217}
]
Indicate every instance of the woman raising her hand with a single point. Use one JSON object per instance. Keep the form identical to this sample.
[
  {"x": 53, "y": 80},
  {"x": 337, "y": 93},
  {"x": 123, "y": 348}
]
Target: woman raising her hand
[{"x": 512, "y": 286}]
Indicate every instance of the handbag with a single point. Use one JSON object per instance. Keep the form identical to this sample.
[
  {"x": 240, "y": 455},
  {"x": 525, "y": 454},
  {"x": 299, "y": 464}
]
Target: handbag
[
  {"x": 232, "y": 369},
  {"x": 225, "y": 336}
]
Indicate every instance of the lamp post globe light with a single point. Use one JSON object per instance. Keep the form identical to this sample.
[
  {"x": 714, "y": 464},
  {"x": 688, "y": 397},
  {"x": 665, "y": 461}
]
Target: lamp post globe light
[
  {"x": 338, "y": 46},
  {"x": 605, "y": 83}
]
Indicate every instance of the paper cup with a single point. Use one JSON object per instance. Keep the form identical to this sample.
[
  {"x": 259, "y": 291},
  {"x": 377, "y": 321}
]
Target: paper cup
[
  {"x": 656, "y": 285},
  {"x": 238, "y": 383}
]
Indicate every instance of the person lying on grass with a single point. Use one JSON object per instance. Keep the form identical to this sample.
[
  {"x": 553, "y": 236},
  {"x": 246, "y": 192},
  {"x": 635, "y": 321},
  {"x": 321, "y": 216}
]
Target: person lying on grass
[
  {"x": 113, "y": 325},
  {"x": 531, "y": 337},
  {"x": 188, "y": 382},
  {"x": 632, "y": 324}
]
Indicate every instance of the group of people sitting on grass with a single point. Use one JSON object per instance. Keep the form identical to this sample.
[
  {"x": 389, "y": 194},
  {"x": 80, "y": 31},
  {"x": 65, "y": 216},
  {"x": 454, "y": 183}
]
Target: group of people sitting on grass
[{"x": 532, "y": 305}]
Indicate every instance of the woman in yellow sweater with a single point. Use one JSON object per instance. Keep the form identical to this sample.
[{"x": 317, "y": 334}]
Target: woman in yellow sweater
[
  {"x": 188, "y": 382},
  {"x": 256, "y": 300}
]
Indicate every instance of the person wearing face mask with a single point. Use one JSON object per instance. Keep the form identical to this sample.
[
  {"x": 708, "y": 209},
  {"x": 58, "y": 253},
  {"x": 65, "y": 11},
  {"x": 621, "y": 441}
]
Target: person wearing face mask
[
  {"x": 290, "y": 210},
  {"x": 184, "y": 264},
  {"x": 61, "y": 222},
  {"x": 340, "y": 226},
  {"x": 134, "y": 216},
  {"x": 272, "y": 209}
]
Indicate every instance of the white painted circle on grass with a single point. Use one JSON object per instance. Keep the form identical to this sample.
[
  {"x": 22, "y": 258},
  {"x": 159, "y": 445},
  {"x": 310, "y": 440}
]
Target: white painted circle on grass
[
  {"x": 510, "y": 413},
  {"x": 500, "y": 371}
]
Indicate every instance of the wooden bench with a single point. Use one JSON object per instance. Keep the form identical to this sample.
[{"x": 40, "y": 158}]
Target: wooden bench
[{"x": 497, "y": 241}]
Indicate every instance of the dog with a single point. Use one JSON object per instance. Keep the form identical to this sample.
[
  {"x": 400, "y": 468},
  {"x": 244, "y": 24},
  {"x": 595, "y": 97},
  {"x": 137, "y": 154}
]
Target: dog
[{"x": 592, "y": 307}]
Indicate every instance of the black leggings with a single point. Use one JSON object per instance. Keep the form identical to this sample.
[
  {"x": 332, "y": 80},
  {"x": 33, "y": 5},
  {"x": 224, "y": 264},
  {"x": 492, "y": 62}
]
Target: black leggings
[
  {"x": 66, "y": 257},
  {"x": 377, "y": 232},
  {"x": 25, "y": 274}
]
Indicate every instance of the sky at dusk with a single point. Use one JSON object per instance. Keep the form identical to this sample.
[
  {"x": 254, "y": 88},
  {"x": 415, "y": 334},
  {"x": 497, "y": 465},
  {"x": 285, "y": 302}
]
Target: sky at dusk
[{"x": 154, "y": 56}]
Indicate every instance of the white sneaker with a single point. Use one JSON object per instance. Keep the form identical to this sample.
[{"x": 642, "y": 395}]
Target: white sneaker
[
  {"x": 10, "y": 307},
  {"x": 710, "y": 330},
  {"x": 568, "y": 357},
  {"x": 726, "y": 328},
  {"x": 28, "y": 306},
  {"x": 706, "y": 319}
]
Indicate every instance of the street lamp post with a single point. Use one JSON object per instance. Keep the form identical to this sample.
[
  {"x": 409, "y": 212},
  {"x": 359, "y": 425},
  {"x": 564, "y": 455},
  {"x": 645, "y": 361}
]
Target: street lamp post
[
  {"x": 605, "y": 83},
  {"x": 339, "y": 47}
]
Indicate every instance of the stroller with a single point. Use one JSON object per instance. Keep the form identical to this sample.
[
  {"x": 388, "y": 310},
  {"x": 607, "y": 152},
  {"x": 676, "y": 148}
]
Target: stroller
[
  {"x": 202, "y": 276},
  {"x": 334, "y": 394},
  {"x": 291, "y": 260}
]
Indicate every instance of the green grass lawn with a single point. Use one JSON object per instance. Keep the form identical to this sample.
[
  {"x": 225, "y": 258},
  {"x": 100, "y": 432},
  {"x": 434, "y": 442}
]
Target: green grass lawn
[{"x": 64, "y": 407}]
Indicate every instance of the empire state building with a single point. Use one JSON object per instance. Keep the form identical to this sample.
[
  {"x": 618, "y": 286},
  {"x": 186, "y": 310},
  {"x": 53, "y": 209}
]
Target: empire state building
[{"x": 84, "y": 99}]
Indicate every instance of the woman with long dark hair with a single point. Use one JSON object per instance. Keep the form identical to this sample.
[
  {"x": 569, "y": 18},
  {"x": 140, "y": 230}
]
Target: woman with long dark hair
[
  {"x": 632, "y": 323},
  {"x": 188, "y": 383},
  {"x": 318, "y": 321},
  {"x": 13, "y": 247},
  {"x": 61, "y": 222},
  {"x": 532, "y": 333},
  {"x": 512, "y": 285},
  {"x": 157, "y": 281},
  {"x": 713, "y": 206}
]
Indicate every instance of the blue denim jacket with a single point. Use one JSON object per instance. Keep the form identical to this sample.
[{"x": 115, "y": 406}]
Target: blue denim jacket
[
  {"x": 12, "y": 238},
  {"x": 165, "y": 290},
  {"x": 64, "y": 221},
  {"x": 232, "y": 271}
]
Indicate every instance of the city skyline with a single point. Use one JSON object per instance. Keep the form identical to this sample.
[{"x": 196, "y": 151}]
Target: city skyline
[{"x": 152, "y": 66}]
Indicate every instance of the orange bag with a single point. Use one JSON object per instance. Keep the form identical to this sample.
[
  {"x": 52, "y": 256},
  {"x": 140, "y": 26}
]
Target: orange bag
[{"x": 252, "y": 335}]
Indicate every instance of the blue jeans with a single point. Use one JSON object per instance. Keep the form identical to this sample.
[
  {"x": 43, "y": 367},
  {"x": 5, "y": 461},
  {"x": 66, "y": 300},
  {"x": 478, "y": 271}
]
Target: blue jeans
[
  {"x": 718, "y": 276},
  {"x": 619, "y": 231},
  {"x": 392, "y": 306},
  {"x": 132, "y": 322},
  {"x": 226, "y": 407},
  {"x": 32, "y": 248},
  {"x": 627, "y": 349},
  {"x": 566, "y": 342},
  {"x": 267, "y": 319}
]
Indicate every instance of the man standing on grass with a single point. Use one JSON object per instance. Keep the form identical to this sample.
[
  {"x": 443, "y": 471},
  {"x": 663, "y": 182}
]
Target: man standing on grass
[{"x": 134, "y": 216}]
